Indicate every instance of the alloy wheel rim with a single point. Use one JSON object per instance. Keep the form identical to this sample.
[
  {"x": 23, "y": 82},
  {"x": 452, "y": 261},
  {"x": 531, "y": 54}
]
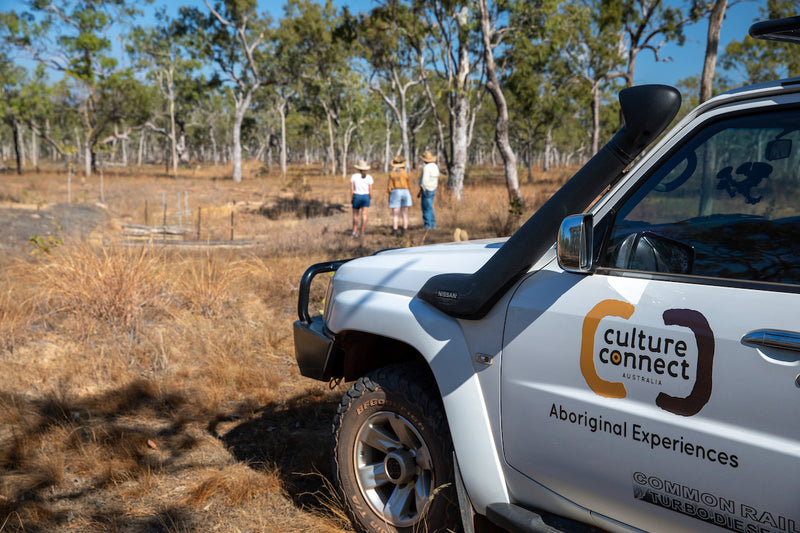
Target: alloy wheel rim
[{"x": 393, "y": 468}]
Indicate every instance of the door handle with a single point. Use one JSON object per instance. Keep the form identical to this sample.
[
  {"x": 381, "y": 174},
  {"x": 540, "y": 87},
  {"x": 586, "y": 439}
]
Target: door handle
[{"x": 766, "y": 338}]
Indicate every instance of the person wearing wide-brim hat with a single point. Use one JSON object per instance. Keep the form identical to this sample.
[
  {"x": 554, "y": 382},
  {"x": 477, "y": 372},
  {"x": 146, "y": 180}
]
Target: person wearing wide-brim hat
[
  {"x": 399, "y": 193},
  {"x": 360, "y": 193},
  {"x": 428, "y": 182}
]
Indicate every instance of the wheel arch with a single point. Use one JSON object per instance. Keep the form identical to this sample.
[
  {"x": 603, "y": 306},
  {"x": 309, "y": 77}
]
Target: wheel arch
[{"x": 354, "y": 354}]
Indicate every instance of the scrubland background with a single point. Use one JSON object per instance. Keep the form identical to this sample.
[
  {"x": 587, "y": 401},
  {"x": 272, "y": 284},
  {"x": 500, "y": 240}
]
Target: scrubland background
[{"x": 150, "y": 384}]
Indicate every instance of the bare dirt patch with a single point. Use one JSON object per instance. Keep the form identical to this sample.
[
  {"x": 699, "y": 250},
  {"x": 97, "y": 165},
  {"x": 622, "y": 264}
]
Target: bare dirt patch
[{"x": 22, "y": 222}]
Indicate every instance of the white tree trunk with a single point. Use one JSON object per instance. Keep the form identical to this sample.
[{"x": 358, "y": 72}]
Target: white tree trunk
[
  {"x": 501, "y": 125},
  {"x": 595, "y": 118},
  {"x": 387, "y": 150},
  {"x": 34, "y": 148},
  {"x": 87, "y": 157},
  {"x": 460, "y": 124},
  {"x": 236, "y": 148},
  {"x": 712, "y": 42},
  {"x": 282, "y": 111},
  {"x": 173, "y": 137},
  {"x": 331, "y": 146}
]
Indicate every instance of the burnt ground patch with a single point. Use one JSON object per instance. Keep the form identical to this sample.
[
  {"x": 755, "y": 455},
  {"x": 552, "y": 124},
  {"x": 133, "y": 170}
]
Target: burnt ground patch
[{"x": 300, "y": 208}]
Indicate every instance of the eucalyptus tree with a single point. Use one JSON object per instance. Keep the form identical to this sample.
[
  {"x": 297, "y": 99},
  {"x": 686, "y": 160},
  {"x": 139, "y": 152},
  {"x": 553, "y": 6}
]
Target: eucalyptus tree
[
  {"x": 28, "y": 101},
  {"x": 716, "y": 10},
  {"x": 210, "y": 127},
  {"x": 288, "y": 64},
  {"x": 73, "y": 37},
  {"x": 390, "y": 34},
  {"x": 269, "y": 109},
  {"x": 545, "y": 93},
  {"x": 492, "y": 37},
  {"x": 590, "y": 48},
  {"x": 319, "y": 42},
  {"x": 50, "y": 109},
  {"x": 645, "y": 26},
  {"x": 161, "y": 52},
  {"x": 450, "y": 53},
  {"x": 12, "y": 103},
  {"x": 235, "y": 39}
]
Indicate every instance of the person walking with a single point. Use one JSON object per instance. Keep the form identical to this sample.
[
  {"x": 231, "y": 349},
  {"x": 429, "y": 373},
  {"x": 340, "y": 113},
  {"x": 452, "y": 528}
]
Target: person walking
[
  {"x": 399, "y": 194},
  {"x": 428, "y": 182},
  {"x": 360, "y": 193}
]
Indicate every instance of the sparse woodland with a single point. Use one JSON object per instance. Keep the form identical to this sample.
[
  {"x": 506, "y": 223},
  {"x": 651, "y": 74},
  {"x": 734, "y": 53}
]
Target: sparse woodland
[
  {"x": 89, "y": 84},
  {"x": 147, "y": 380}
]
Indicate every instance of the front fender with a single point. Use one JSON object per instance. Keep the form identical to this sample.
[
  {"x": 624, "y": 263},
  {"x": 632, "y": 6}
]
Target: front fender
[{"x": 440, "y": 341}]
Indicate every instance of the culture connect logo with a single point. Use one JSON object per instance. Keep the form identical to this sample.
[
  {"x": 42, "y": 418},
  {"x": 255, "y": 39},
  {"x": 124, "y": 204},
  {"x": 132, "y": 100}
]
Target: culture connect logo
[{"x": 653, "y": 355}]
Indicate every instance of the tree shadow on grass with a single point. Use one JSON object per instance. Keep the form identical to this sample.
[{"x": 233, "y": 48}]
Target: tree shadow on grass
[
  {"x": 300, "y": 208},
  {"x": 293, "y": 437},
  {"x": 67, "y": 460},
  {"x": 62, "y": 457}
]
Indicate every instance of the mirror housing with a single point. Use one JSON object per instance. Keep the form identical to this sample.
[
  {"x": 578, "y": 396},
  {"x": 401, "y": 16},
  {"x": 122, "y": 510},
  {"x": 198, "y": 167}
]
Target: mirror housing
[
  {"x": 778, "y": 149},
  {"x": 652, "y": 252},
  {"x": 574, "y": 247}
]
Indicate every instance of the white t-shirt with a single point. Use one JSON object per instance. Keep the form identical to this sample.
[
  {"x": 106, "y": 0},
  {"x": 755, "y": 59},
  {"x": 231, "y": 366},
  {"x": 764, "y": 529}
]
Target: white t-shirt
[{"x": 361, "y": 183}]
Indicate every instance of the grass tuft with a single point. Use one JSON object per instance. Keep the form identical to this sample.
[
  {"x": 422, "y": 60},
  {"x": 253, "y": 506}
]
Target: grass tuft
[
  {"x": 235, "y": 485},
  {"x": 111, "y": 286}
]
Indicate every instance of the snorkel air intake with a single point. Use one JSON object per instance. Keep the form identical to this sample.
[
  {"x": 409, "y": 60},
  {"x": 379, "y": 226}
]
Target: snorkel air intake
[{"x": 646, "y": 111}]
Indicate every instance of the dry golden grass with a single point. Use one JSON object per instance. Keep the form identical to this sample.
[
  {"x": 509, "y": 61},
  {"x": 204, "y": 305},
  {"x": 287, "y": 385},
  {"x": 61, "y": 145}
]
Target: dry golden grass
[{"x": 152, "y": 387}]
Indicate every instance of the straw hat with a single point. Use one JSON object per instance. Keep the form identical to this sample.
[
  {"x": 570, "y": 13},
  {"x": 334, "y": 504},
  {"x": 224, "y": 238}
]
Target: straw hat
[
  {"x": 399, "y": 161},
  {"x": 428, "y": 157},
  {"x": 361, "y": 165}
]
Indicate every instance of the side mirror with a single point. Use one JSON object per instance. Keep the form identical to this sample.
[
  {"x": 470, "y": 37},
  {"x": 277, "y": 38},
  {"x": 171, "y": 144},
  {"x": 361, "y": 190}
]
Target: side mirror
[
  {"x": 575, "y": 242},
  {"x": 655, "y": 253},
  {"x": 779, "y": 149}
]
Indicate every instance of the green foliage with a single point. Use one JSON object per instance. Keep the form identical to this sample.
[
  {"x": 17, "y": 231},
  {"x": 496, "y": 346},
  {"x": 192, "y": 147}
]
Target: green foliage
[
  {"x": 44, "y": 245},
  {"x": 758, "y": 60},
  {"x": 70, "y": 36},
  {"x": 208, "y": 39}
]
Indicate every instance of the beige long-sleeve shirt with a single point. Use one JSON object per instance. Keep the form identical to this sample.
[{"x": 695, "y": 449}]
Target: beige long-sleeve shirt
[{"x": 429, "y": 179}]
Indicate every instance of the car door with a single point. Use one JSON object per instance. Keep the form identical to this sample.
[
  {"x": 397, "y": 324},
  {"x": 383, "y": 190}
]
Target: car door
[{"x": 662, "y": 390}]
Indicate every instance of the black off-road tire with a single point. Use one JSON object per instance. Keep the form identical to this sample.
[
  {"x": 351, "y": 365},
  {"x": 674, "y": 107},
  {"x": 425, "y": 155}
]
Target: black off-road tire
[{"x": 391, "y": 427}]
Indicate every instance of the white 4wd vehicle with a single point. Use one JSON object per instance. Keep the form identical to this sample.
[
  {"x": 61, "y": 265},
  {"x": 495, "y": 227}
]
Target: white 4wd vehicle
[{"x": 634, "y": 367}]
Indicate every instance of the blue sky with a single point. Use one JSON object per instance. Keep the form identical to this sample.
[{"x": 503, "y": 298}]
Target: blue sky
[
  {"x": 688, "y": 60},
  {"x": 685, "y": 61}
]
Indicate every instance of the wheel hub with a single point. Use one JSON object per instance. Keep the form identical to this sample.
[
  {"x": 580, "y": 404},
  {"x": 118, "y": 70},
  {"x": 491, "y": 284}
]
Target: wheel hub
[{"x": 400, "y": 466}]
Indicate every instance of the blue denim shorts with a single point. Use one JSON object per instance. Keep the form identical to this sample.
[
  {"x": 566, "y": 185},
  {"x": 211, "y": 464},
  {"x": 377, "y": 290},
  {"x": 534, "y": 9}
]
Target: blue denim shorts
[
  {"x": 360, "y": 200},
  {"x": 399, "y": 198}
]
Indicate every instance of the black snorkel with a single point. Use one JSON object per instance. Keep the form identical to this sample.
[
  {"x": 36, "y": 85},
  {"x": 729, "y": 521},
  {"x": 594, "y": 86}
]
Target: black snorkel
[{"x": 646, "y": 110}]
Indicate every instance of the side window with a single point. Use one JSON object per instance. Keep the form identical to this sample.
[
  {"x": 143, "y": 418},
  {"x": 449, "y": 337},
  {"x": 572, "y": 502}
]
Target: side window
[{"x": 726, "y": 204}]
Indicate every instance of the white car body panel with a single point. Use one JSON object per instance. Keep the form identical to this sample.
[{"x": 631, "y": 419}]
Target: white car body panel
[{"x": 542, "y": 372}]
